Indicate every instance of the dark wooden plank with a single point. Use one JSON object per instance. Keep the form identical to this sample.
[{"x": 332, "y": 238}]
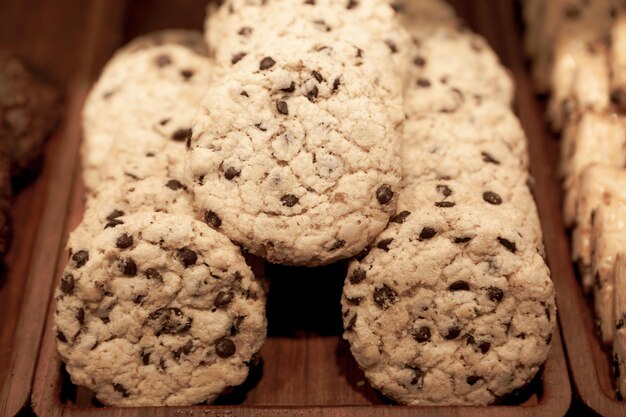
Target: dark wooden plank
[{"x": 58, "y": 50}]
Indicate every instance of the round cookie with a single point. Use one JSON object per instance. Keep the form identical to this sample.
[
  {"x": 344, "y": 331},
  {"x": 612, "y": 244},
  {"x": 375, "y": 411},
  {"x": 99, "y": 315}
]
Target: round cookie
[
  {"x": 154, "y": 84},
  {"x": 295, "y": 156},
  {"x": 158, "y": 310},
  {"x": 451, "y": 306}
]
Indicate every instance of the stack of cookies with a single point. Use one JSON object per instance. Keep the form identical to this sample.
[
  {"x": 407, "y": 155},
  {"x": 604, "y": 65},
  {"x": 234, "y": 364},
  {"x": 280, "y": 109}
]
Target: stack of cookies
[
  {"x": 306, "y": 133},
  {"x": 583, "y": 64},
  {"x": 453, "y": 303},
  {"x": 29, "y": 111}
]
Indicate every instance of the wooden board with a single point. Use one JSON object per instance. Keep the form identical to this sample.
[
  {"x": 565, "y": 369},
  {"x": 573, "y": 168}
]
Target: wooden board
[{"x": 307, "y": 368}]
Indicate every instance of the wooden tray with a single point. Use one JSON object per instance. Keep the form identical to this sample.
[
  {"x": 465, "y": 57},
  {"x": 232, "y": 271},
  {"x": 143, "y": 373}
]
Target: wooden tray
[
  {"x": 589, "y": 363},
  {"x": 307, "y": 368}
]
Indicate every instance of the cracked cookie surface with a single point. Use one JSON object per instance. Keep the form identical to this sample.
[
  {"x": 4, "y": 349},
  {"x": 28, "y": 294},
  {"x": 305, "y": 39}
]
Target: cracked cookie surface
[
  {"x": 450, "y": 306},
  {"x": 125, "y": 97},
  {"x": 158, "y": 310},
  {"x": 294, "y": 156}
]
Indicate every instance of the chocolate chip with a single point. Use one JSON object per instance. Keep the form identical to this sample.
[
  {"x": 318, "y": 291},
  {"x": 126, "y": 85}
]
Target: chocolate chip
[
  {"x": 234, "y": 328},
  {"x": 175, "y": 185},
  {"x": 385, "y": 296},
  {"x": 225, "y": 347},
  {"x": 357, "y": 276},
  {"x": 462, "y": 239},
  {"x": 152, "y": 273},
  {"x": 187, "y": 257},
  {"x": 492, "y": 198},
  {"x": 67, "y": 284},
  {"x": 490, "y": 159},
  {"x": 472, "y": 379},
  {"x": 359, "y": 53},
  {"x": 289, "y": 200},
  {"x": 115, "y": 214},
  {"x": 418, "y": 379},
  {"x": 352, "y": 322},
  {"x": 120, "y": 388},
  {"x": 231, "y": 173},
  {"x": 384, "y": 195},
  {"x": 128, "y": 267},
  {"x": 397, "y": 7},
  {"x": 290, "y": 89},
  {"x": 237, "y": 57},
  {"x": 459, "y": 286},
  {"x": 61, "y": 336},
  {"x": 113, "y": 223},
  {"x": 392, "y": 46},
  {"x": 317, "y": 76},
  {"x": 212, "y": 219},
  {"x": 163, "y": 60},
  {"x": 618, "y": 97},
  {"x": 80, "y": 258},
  {"x": 312, "y": 94},
  {"x": 444, "y": 189},
  {"x": 183, "y": 350},
  {"x": 223, "y": 298},
  {"x": 187, "y": 74},
  {"x": 495, "y": 294},
  {"x": 355, "y": 301},
  {"x": 510, "y": 246},
  {"x": 245, "y": 31},
  {"x": 139, "y": 299},
  {"x": 400, "y": 217},
  {"x": 419, "y": 61},
  {"x": 244, "y": 93},
  {"x": 352, "y": 4},
  {"x": 282, "y": 107},
  {"x": 422, "y": 334},
  {"x": 453, "y": 333},
  {"x": 445, "y": 204},
  {"x": 384, "y": 244},
  {"x": 80, "y": 316},
  {"x": 336, "y": 84},
  {"x": 427, "y": 233},
  {"x": 423, "y": 82},
  {"x": 181, "y": 135},
  {"x": 124, "y": 241},
  {"x": 484, "y": 347},
  {"x": 337, "y": 245},
  {"x": 266, "y": 63},
  {"x": 145, "y": 357},
  {"x": 310, "y": 2},
  {"x": 170, "y": 320}
]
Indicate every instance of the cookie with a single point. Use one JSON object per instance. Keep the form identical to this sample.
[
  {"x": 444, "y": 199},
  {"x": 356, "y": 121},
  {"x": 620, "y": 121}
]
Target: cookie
[
  {"x": 619, "y": 341},
  {"x": 295, "y": 156},
  {"x": 125, "y": 96},
  {"x": 29, "y": 112},
  {"x": 599, "y": 185},
  {"x": 453, "y": 69},
  {"x": 158, "y": 310},
  {"x": 617, "y": 61},
  {"x": 368, "y": 30},
  {"x": 580, "y": 76},
  {"x": 451, "y": 306},
  {"x": 607, "y": 240},
  {"x": 596, "y": 138}
]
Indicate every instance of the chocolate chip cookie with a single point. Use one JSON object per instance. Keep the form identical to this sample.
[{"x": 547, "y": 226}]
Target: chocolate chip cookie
[
  {"x": 295, "y": 156},
  {"x": 158, "y": 309},
  {"x": 450, "y": 306}
]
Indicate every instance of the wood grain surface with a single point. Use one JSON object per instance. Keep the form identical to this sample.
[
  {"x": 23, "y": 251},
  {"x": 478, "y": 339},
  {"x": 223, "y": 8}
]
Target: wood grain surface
[{"x": 307, "y": 368}]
